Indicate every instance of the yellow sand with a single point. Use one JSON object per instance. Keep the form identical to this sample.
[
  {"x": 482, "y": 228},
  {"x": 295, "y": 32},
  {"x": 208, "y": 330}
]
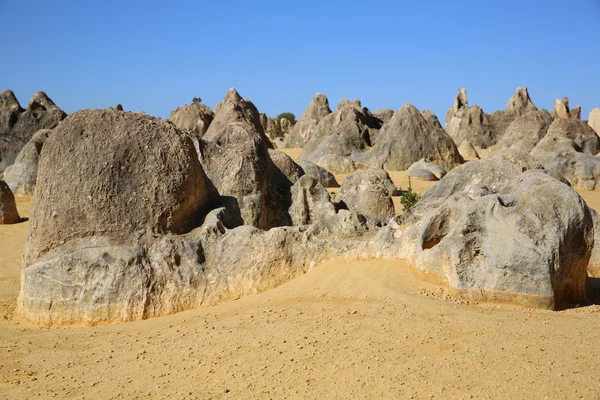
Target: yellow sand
[{"x": 344, "y": 330}]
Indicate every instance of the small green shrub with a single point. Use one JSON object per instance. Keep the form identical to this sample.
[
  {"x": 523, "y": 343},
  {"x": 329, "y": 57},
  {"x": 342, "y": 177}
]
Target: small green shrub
[
  {"x": 287, "y": 115},
  {"x": 197, "y": 100},
  {"x": 408, "y": 198}
]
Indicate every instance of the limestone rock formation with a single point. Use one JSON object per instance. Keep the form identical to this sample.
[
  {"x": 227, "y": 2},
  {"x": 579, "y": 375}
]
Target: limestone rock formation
[
  {"x": 407, "y": 138},
  {"x": 426, "y": 171},
  {"x": 431, "y": 118},
  {"x": 339, "y": 136},
  {"x": 237, "y": 161},
  {"x": 594, "y": 120},
  {"x": 310, "y": 202},
  {"x": 17, "y": 125},
  {"x": 115, "y": 174},
  {"x": 324, "y": 177},
  {"x": 194, "y": 118},
  {"x": 306, "y": 125},
  {"x": 22, "y": 175},
  {"x": 520, "y": 103},
  {"x": 516, "y": 237},
  {"x": 594, "y": 264},
  {"x": 235, "y": 109},
  {"x": 369, "y": 193},
  {"x": 457, "y": 112},
  {"x": 472, "y": 124},
  {"x": 286, "y": 165},
  {"x": 384, "y": 115},
  {"x": 562, "y": 110},
  {"x": 8, "y": 206},
  {"x": 525, "y": 131},
  {"x": 467, "y": 151},
  {"x": 568, "y": 149}
]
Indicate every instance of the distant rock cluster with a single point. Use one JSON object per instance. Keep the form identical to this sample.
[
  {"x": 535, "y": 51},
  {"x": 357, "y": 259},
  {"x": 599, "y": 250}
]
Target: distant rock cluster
[{"x": 135, "y": 217}]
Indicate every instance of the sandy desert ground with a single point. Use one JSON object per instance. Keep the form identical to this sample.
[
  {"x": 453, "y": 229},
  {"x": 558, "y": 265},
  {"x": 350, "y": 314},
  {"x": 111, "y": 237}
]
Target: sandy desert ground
[{"x": 344, "y": 330}]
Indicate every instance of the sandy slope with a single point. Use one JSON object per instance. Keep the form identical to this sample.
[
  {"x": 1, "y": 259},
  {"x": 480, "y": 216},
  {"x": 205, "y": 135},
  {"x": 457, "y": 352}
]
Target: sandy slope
[{"x": 344, "y": 330}]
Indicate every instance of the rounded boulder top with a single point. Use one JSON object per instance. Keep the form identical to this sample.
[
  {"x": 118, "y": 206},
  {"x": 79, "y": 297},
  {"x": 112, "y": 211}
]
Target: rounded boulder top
[{"x": 115, "y": 174}]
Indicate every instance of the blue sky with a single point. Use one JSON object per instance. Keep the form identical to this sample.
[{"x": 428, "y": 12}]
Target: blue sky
[{"x": 153, "y": 56}]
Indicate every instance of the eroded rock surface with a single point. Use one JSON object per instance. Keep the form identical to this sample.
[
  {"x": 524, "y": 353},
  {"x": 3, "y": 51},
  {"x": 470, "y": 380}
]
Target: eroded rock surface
[
  {"x": 17, "y": 125},
  {"x": 8, "y": 206}
]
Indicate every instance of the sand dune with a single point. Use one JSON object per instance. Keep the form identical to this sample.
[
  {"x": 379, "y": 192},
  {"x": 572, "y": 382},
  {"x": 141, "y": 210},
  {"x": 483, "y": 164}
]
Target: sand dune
[{"x": 344, "y": 330}]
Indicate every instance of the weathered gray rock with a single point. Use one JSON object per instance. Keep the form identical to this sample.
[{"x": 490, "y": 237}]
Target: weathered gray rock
[
  {"x": 369, "y": 193},
  {"x": 271, "y": 127},
  {"x": 525, "y": 239},
  {"x": 234, "y": 109},
  {"x": 384, "y": 116},
  {"x": 495, "y": 173},
  {"x": 567, "y": 150},
  {"x": 594, "y": 264},
  {"x": 237, "y": 161},
  {"x": 457, "y": 112},
  {"x": 475, "y": 128},
  {"x": 22, "y": 175},
  {"x": 431, "y": 118},
  {"x": 520, "y": 103},
  {"x": 115, "y": 174},
  {"x": 286, "y": 165},
  {"x": 324, "y": 177},
  {"x": 483, "y": 131},
  {"x": 467, "y": 151},
  {"x": 583, "y": 137},
  {"x": 339, "y": 136},
  {"x": 307, "y": 124},
  {"x": 562, "y": 110},
  {"x": 8, "y": 206},
  {"x": 194, "y": 118},
  {"x": 525, "y": 131},
  {"x": 310, "y": 202},
  {"x": 18, "y": 125},
  {"x": 407, "y": 138},
  {"x": 426, "y": 170},
  {"x": 98, "y": 280},
  {"x": 594, "y": 120}
]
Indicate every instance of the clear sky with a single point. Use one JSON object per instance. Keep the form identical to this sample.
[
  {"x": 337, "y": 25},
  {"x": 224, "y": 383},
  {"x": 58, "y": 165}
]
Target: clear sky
[{"x": 153, "y": 56}]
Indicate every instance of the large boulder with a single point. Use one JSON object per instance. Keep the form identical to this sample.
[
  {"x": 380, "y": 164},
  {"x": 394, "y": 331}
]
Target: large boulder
[
  {"x": 525, "y": 131},
  {"x": 8, "y": 206},
  {"x": 582, "y": 136},
  {"x": 307, "y": 124},
  {"x": 286, "y": 165},
  {"x": 426, "y": 170},
  {"x": 568, "y": 150},
  {"x": 594, "y": 120},
  {"x": 115, "y": 174},
  {"x": 194, "y": 118},
  {"x": 468, "y": 151},
  {"x": 237, "y": 161},
  {"x": 369, "y": 193},
  {"x": 495, "y": 173},
  {"x": 17, "y": 125},
  {"x": 324, "y": 177},
  {"x": 407, "y": 138},
  {"x": 510, "y": 236},
  {"x": 310, "y": 202},
  {"x": 472, "y": 124},
  {"x": 235, "y": 109},
  {"x": 22, "y": 175},
  {"x": 339, "y": 136}
]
